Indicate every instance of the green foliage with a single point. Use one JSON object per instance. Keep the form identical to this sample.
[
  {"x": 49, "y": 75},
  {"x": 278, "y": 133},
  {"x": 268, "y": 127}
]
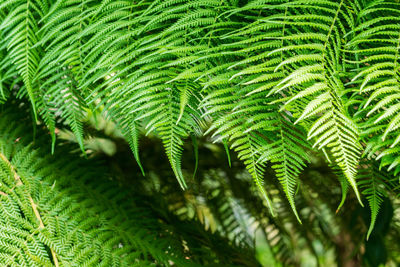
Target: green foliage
[
  {"x": 277, "y": 80},
  {"x": 55, "y": 212},
  {"x": 62, "y": 211}
]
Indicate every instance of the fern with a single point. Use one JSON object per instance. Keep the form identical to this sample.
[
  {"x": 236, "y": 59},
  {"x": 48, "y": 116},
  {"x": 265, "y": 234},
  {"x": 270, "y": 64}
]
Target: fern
[
  {"x": 374, "y": 191},
  {"x": 275, "y": 80},
  {"x": 19, "y": 29},
  {"x": 57, "y": 211},
  {"x": 311, "y": 71},
  {"x": 378, "y": 79},
  {"x": 48, "y": 217}
]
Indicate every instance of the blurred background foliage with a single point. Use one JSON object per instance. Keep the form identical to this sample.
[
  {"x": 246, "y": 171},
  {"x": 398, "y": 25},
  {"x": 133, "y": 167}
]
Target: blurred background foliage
[{"x": 222, "y": 199}]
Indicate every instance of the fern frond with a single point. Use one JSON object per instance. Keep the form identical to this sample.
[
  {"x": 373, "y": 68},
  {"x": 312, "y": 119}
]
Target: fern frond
[
  {"x": 371, "y": 181},
  {"x": 19, "y": 30},
  {"x": 288, "y": 156},
  {"x": 377, "y": 54},
  {"x": 254, "y": 73},
  {"x": 58, "y": 211}
]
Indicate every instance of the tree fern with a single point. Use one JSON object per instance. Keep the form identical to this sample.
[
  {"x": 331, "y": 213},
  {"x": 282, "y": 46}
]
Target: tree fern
[
  {"x": 374, "y": 191},
  {"x": 56, "y": 211},
  {"x": 314, "y": 72},
  {"x": 276, "y": 80},
  {"x": 32, "y": 194},
  {"x": 19, "y": 28},
  {"x": 378, "y": 78}
]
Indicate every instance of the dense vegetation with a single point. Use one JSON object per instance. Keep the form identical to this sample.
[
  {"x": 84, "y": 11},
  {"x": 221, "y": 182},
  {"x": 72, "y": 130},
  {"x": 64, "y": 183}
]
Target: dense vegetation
[{"x": 305, "y": 94}]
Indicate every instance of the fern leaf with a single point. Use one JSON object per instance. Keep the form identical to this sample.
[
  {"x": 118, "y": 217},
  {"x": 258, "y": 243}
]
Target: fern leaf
[{"x": 19, "y": 29}]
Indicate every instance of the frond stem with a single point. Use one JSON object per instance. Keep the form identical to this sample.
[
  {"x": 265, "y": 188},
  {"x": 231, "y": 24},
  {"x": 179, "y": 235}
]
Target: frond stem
[{"x": 33, "y": 204}]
